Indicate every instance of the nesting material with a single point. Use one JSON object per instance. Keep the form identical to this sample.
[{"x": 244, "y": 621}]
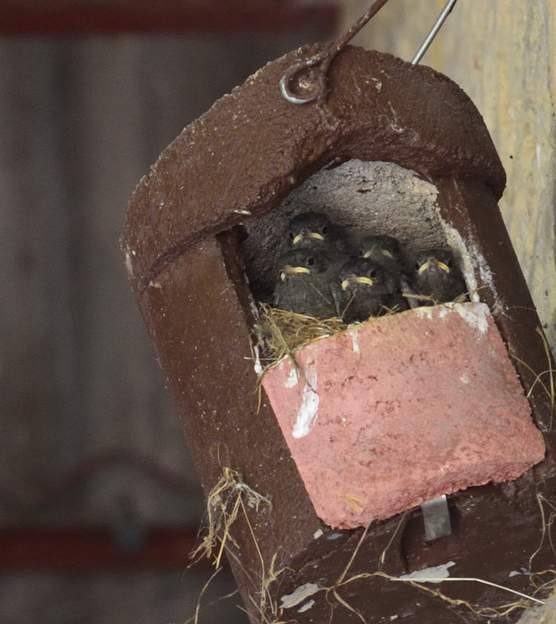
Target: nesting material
[
  {"x": 283, "y": 332},
  {"x": 404, "y": 408}
]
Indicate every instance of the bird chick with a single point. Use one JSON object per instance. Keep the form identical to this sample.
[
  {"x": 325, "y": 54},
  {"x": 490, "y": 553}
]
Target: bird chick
[
  {"x": 384, "y": 250},
  {"x": 367, "y": 289},
  {"x": 437, "y": 277},
  {"x": 303, "y": 283},
  {"x": 314, "y": 230}
]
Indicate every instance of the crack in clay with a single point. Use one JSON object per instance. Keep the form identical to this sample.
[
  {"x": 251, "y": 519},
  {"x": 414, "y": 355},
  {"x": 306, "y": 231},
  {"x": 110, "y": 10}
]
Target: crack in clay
[{"x": 308, "y": 410}]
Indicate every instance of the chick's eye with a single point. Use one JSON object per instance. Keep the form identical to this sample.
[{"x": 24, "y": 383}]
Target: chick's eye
[
  {"x": 417, "y": 265},
  {"x": 292, "y": 235},
  {"x": 324, "y": 229},
  {"x": 372, "y": 273},
  {"x": 310, "y": 261}
]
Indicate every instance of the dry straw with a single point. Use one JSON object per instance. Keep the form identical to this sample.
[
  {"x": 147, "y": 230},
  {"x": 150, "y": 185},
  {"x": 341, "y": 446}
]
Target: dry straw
[
  {"x": 224, "y": 502},
  {"x": 282, "y": 332},
  {"x": 229, "y": 500}
]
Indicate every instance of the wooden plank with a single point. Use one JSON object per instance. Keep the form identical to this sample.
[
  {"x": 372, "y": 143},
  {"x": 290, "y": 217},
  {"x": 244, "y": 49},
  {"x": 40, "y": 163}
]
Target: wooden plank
[{"x": 72, "y": 16}]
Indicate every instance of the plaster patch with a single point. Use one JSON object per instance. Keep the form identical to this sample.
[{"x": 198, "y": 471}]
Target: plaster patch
[
  {"x": 308, "y": 410},
  {"x": 299, "y": 595},
  {"x": 438, "y": 573}
]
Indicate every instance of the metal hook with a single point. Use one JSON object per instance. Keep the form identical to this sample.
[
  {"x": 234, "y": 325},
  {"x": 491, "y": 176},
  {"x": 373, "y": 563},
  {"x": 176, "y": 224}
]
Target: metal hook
[
  {"x": 434, "y": 31},
  {"x": 324, "y": 58},
  {"x": 289, "y": 74}
]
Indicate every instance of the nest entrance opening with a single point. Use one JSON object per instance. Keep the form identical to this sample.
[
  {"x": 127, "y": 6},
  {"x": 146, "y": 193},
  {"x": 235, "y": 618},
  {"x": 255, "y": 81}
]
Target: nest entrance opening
[{"x": 364, "y": 198}]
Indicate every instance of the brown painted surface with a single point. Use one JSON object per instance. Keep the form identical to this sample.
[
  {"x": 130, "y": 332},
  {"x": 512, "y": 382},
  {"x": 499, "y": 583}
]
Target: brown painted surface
[
  {"x": 247, "y": 153},
  {"x": 252, "y": 148}
]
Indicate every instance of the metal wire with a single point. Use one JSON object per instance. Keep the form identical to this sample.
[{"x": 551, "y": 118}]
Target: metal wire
[{"x": 434, "y": 31}]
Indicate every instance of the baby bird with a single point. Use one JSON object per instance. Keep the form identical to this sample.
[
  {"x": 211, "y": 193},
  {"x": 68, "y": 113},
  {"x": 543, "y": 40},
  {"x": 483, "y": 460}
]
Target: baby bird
[
  {"x": 303, "y": 283},
  {"x": 366, "y": 289},
  {"x": 384, "y": 250},
  {"x": 437, "y": 277},
  {"x": 315, "y": 230}
]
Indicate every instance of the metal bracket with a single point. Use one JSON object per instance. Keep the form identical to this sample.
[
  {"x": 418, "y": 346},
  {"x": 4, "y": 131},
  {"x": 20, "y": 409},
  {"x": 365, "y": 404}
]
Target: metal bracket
[{"x": 436, "y": 517}]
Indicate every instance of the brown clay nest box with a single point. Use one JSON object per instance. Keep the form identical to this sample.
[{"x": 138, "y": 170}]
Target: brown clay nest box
[{"x": 397, "y": 148}]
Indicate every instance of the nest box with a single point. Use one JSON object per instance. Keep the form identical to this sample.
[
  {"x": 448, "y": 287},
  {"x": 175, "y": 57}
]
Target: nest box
[{"x": 386, "y": 415}]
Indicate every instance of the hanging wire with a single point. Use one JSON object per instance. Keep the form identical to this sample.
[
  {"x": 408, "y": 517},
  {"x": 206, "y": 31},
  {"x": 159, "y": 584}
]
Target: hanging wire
[{"x": 434, "y": 31}]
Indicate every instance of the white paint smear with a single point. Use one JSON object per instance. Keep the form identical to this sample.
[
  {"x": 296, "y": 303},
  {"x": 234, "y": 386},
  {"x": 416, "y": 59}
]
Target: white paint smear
[
  {"x": 437, "y": 572},
  {"x": 292, "y": 379},
  {"x": 308, "y": 410},
  {"x": 299, "y": 595}
]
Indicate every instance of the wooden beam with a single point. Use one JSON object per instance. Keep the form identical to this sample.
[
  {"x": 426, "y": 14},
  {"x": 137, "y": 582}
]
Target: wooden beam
[{"x": 67, "y": 17}]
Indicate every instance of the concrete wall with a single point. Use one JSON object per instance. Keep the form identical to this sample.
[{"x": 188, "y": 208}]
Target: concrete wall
[{"x": 503, "y": 54}]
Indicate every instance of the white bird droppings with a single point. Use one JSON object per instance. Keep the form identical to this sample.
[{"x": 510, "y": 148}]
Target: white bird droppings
[
  {"x": 292, "y": 379},
  {"x": 475, "y": 315},
  {"x": 355, "y": 341},
  {"x": 308, "y": 410},
  {"x": 436, "y": 572},
  {"x": 299, "y": 595}
]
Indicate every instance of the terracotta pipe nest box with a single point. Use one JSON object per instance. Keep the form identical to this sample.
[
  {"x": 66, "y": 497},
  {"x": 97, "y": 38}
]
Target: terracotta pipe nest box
[{"x": 375, "y": 420}]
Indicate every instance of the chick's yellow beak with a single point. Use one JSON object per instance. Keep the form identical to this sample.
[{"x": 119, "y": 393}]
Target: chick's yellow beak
[
  {"x": 438, "y": 263},
  {"x": 292, "y": 270},
  {"x": 299, "y": 237},
  {"x": 366, "y": 281}
]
